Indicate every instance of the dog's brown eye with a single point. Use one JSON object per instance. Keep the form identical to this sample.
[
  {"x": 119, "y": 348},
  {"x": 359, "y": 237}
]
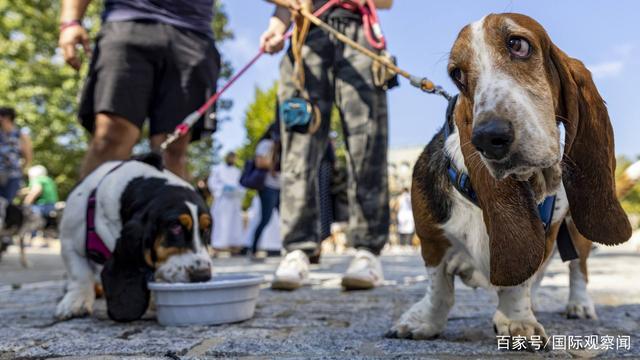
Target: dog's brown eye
[
  {"x": 458, "y": 77},
  {"x": 519, "y": 47}
]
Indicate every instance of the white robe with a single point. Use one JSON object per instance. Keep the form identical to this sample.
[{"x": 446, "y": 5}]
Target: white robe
[
  {"x": 405, "y": 214},
  {"x": 224, "y": 184}
]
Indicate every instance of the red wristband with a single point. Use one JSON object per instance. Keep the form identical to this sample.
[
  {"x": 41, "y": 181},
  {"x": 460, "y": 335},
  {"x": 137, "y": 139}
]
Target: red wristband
[{"x": 67, "y": 24}]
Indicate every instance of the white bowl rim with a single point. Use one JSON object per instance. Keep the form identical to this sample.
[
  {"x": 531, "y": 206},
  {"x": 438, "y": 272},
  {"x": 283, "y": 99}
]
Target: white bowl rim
[{"x": 220, "y": 281}]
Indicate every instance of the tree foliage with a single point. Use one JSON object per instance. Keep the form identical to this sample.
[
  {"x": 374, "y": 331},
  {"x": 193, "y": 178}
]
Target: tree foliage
[
  {"x": 35, "y": 80},
  {"x": 257, "y": 118}
]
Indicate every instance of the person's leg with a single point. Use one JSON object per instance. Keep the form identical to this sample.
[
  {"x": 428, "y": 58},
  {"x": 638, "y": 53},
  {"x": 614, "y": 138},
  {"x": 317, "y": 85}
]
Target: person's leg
[
  {"x": 113, "y": 139},
  {"x": 364, "y": 110},
  {"x": 175, "y": 156},
  {"x": 3, "y": 190},
  {"x": 302, "y": 152},
  {"x": 268, "y": 202},
  {"x": 12, "y": 188},
  {"x": 324, "y": 198}
]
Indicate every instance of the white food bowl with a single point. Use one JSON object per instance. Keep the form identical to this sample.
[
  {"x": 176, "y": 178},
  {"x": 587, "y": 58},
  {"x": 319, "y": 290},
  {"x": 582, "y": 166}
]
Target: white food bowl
[{"x": 223, "y": 299}]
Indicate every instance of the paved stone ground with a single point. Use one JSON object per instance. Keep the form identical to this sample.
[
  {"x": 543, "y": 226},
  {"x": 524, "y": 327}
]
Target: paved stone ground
[{"x": 319, "y": 321}]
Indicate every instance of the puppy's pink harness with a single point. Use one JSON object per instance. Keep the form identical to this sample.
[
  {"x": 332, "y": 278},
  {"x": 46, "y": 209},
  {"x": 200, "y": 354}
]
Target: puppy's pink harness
[{"x": 96, "y": 249}]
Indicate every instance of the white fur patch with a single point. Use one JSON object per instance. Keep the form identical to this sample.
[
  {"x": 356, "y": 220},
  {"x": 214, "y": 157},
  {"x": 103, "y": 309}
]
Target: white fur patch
[
  {"x": 178, "y": 267},
  {"x": 197, "y": 241},
  {"x": 428, "y": 317},
  {"x": 580, "y": 304}
]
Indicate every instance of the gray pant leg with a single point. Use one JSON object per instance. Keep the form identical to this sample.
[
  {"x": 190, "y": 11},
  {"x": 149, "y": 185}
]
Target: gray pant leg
[
  {"x": 363, "y": 107},
  {"x": 302, "y": 153}
]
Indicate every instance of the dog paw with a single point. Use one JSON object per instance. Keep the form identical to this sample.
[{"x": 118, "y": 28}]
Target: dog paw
[
  {"x": 74, "y": 304},
  {"x": 581, "y": 310},
  {"x": 528, "y": 329},
  {"x": 413, "y": 331},
  {"x": 416, "y": 324}
]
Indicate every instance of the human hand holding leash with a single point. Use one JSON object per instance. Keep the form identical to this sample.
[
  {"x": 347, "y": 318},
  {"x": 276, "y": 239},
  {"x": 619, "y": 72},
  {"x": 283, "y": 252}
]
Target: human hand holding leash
[{"x": 272, "y": 40}]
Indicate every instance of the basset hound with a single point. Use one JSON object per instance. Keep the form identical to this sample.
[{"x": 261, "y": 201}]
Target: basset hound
[
  {"x": 131, "y": 222},
  {"x": 477, "y": 185}
]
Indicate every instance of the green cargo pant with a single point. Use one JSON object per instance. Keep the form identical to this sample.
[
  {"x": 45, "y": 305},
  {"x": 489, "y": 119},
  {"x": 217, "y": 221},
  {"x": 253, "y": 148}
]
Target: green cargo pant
[{"x": 336, "y": 74}]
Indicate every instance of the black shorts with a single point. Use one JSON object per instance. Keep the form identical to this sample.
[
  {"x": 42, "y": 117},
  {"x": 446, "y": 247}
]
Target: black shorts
[{"x": 149, "y": 70}]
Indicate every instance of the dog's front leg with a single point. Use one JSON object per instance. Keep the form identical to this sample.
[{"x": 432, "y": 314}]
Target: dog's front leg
[
  {"x": 580, "y": 305},
  {"x": 428, "y": 317},
  {"x": 80, "y": 295},
  {"x": 514, "y": 316}
]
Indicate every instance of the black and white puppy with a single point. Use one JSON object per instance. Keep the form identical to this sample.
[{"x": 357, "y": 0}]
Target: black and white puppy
[{"x": 153, "y": 223}]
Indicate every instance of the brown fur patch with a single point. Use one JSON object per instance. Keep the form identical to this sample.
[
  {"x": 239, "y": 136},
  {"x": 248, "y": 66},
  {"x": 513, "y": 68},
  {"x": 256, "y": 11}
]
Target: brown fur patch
[
  {"x": 186, "y": 221},
  {"x": 162, "y": 252},
  {"x": 434, "y": 243},
  {"x": 552, "y": 236},
  {"x": 205, "y": 221},
  {"x": 583, "y": 247}
]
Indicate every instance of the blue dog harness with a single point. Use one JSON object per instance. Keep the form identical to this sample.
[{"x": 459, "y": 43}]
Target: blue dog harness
[{"x": 462, "y": 183}]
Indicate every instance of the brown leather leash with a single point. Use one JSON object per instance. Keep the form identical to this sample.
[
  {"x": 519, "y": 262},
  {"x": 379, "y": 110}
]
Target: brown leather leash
[{"x": 421, "y": 83}]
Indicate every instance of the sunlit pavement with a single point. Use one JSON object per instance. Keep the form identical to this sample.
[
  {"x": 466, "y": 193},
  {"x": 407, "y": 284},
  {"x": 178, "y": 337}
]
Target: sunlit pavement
[{"x": 317, "y": 321}]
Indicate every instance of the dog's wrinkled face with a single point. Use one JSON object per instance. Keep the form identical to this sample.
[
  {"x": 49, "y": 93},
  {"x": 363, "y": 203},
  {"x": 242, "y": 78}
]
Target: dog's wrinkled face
[
  {"x": 179, "y": 252},
  {"x": 500, "y": 65}
]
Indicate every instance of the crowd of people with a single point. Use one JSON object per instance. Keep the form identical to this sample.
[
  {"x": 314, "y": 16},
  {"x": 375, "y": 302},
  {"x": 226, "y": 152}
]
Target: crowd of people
[{"x": 157, "y": 62}]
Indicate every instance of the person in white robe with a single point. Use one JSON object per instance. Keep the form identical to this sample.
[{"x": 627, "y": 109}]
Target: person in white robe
[
  {"x": 406, "y": 226},
  {"x": 224, "y": 184}
]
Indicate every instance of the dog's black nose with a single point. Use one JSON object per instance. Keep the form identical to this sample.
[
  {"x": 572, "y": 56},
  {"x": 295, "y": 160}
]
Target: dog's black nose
[
  {"x": 200, "y": 275},
  {"x": 493, "y": 138}
]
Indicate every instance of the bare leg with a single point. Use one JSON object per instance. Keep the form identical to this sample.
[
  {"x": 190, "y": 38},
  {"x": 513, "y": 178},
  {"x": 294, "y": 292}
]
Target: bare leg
[
  {"x": 175, "y": 156},
  {"x": 113, "y": 139}
]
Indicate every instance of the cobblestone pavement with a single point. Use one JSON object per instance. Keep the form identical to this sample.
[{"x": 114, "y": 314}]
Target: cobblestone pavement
[{"x": 318, "y": 321}]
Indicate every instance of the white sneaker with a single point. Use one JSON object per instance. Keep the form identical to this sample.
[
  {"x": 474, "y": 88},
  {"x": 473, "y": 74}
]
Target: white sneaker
[
  {"x": 292, "y": 272},
  {"x": 364, "y": 272}
]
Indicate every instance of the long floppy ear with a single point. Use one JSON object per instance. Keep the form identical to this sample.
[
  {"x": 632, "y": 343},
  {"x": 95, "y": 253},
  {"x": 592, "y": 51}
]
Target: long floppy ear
[
  {"x": 589, "y": 161},
  {"x": 516, "y": 234},
  {"x": 125, "y": 276}
]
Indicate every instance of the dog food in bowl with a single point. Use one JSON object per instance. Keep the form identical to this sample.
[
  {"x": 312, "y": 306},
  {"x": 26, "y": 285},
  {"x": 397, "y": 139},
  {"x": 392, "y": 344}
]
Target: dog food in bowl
[{"x": 223, "y": 299}]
